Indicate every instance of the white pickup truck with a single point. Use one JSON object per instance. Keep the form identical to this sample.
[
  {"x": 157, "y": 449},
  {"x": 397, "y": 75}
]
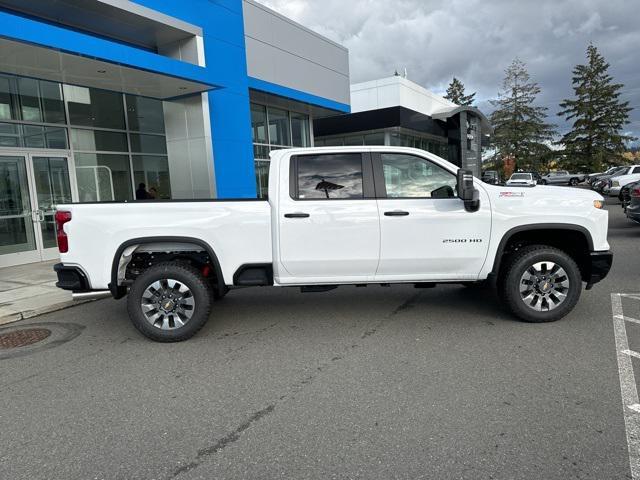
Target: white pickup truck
[{"x": 337, "y": 216}]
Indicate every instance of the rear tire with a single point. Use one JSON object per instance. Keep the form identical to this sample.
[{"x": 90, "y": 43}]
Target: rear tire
[
  {"x": 540, "y": 284},
  {"x": 573, "y": 182},
  {"x": 169, "y": 302}
]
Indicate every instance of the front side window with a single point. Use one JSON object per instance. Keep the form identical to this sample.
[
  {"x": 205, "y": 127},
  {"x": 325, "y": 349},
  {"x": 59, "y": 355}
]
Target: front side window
[
  {"x": 330, "y": 176},
  {"x": 408, "y": 176}
]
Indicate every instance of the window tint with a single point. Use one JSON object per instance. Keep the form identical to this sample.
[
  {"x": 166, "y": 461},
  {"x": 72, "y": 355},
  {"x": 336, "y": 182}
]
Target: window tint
[
  {"x": 300, "y": 130},
  {"x": 259, "y": 124},
  {"x": 145, "y": 114},
  {"x": 636, "y": 170},
  {"x": 409, "y": 176},
  {"x": 92, "y": 107},
  {"x": 334, "y": 176},
  {"x": 279, "y": 133}
]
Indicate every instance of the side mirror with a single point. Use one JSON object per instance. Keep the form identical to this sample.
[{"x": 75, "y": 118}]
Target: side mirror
[{"x": 467, "y": 192}]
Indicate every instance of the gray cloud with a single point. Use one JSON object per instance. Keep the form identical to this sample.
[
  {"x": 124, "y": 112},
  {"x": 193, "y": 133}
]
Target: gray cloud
[{"x": 476, "y": 40}]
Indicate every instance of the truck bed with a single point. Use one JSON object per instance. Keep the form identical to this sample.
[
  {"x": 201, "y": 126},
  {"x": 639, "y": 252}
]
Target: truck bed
[{"x": 239, "y": 231}]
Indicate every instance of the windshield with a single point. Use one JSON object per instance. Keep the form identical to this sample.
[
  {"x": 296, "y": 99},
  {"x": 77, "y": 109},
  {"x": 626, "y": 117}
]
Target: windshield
[
  {"x": 521, "y": 176},
  {"x": 622, "y": 171}
]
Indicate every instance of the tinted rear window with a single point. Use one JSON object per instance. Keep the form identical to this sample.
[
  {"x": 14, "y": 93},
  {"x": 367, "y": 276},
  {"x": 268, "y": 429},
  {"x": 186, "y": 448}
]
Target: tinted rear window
[{"x": 330, "y": 176}]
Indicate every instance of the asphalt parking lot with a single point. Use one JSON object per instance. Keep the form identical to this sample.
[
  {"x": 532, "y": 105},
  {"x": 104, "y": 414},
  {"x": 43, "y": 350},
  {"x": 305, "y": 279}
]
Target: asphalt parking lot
[{"x": 354, "y": 383}]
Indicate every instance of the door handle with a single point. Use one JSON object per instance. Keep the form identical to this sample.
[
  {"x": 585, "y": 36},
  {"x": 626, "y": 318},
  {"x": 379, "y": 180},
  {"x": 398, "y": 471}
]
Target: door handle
[
  {"x": 296, "y": 215},
  {"x": 396, "y": 213}
]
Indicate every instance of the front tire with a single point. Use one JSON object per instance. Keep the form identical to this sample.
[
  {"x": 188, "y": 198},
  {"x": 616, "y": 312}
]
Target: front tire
[
  {"x": 169, "y": 302},
  {"x": 540, "y": 284},
  {"x": 573, "y": 182}
]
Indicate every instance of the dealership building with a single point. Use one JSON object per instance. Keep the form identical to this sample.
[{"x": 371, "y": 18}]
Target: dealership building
[
  {"x": 396, "y": 111},
  {"x": 113, "y": 100}
]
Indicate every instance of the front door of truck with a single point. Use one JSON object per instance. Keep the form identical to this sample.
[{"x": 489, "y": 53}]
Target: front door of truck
[
  {"x": 425, "y": 231},
  {"x": 328, "y": 221}
]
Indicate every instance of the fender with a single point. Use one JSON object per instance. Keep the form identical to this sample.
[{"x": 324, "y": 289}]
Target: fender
[
  {"x": 118, "y": 291},
  {"x": 533, "y": 227}
]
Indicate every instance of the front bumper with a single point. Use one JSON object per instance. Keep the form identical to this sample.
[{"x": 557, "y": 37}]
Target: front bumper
[
  {"x": 598, "y": 267},
  {"x": 614, "y": 191}
]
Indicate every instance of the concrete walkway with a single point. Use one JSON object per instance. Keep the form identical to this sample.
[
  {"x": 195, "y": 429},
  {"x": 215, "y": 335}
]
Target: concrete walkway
[{"x": 29, "y": 290}]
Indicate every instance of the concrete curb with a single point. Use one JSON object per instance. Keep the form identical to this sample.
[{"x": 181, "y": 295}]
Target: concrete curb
[{"x": 16, "y": 317}]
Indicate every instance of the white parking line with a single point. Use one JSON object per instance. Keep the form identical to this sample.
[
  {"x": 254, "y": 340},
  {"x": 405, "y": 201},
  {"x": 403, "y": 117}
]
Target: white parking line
[{"x": 630, "y": 403}]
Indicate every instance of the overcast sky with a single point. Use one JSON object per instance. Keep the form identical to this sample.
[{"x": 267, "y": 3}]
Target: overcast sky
[{"x": 476, "y": 40}]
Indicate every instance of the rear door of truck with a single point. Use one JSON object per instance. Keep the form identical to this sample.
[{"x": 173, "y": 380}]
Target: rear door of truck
[{"x": 328, "y": 222}]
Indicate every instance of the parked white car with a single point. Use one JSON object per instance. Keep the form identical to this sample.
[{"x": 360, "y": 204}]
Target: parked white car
[
  {"x": 520, "y": 179},
  {"x": 337, "y": 216},
  {"x": 615, "y": 184}
]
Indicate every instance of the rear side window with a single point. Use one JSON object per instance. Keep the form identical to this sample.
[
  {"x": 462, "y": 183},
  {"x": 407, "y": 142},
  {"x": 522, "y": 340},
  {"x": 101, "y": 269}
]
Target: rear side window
[{"x": 329, "y": 176}]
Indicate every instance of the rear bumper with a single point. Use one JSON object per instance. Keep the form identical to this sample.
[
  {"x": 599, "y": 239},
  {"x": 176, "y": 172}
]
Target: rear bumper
[
  {"x": 599, "y": 266},
  {"x": 633, "y": 211},
  {"x": 71, "y": 278}
]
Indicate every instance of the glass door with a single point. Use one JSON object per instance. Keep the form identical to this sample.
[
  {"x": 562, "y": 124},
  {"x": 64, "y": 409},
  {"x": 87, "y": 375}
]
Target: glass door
[
  {"x": 52, "y": 187},
  {"x": 18, "y": 242},
  {"x": 31, "y": 185}
]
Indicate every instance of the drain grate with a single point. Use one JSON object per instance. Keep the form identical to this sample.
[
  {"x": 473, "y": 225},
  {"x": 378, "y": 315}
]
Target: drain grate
[{"x": 22, "y": 338}]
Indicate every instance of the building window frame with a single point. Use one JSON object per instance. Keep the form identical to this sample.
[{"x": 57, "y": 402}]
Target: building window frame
[{"x": 259, "y": 148}]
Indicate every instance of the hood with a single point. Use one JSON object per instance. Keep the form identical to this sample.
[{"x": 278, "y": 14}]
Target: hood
[{"x": 544, "y": 192}]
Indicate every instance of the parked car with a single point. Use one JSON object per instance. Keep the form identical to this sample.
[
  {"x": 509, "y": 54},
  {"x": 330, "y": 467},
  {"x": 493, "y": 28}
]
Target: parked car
[
  {"x": 562, "y": 177},
  {"x": 602, "y": 182},
  {"x": 625, "y": 194},
  {"x": 522, "y": 179},
  {"x": 337, "y": 216},
  {"x": 633, "y": 207},
  {"x": 596, "y": 176},
  {"x": 491, "y": 177},
  {"x": 615, "y": 184}
]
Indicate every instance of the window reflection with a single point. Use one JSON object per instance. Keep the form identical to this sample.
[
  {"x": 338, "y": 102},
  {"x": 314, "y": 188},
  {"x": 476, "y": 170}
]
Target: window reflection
[
  {"x": 411, "y": 176},
  {"x": 331, "y": 176},
  {"x": 279, "y": 133}
]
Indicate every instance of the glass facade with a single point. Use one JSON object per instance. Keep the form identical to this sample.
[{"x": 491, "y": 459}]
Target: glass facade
[
  {"x": 117, "y": 141},
  {"x": 272, "y": 129}
]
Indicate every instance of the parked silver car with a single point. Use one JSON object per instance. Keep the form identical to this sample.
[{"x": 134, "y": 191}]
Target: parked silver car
[{"x": 562, "y": 177}]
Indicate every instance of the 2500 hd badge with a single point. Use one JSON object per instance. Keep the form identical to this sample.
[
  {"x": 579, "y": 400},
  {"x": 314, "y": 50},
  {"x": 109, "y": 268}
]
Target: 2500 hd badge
[{"x": 462, "y": 240}]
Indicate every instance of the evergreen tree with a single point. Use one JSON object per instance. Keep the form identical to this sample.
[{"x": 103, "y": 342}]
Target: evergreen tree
[
  {"x": 598, "y": 116},
  {"x": 520, "y": 127},
  {"x": 455, "y": 93}
]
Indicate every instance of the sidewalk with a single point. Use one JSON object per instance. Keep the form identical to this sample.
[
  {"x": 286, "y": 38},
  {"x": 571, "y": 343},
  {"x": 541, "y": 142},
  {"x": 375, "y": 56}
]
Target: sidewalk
[{"x": 29, "y": 290}]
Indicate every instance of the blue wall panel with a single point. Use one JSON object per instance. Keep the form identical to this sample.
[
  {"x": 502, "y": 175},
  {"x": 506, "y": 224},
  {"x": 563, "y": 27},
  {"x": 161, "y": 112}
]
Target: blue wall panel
[{"x": 223, "y": 30}]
